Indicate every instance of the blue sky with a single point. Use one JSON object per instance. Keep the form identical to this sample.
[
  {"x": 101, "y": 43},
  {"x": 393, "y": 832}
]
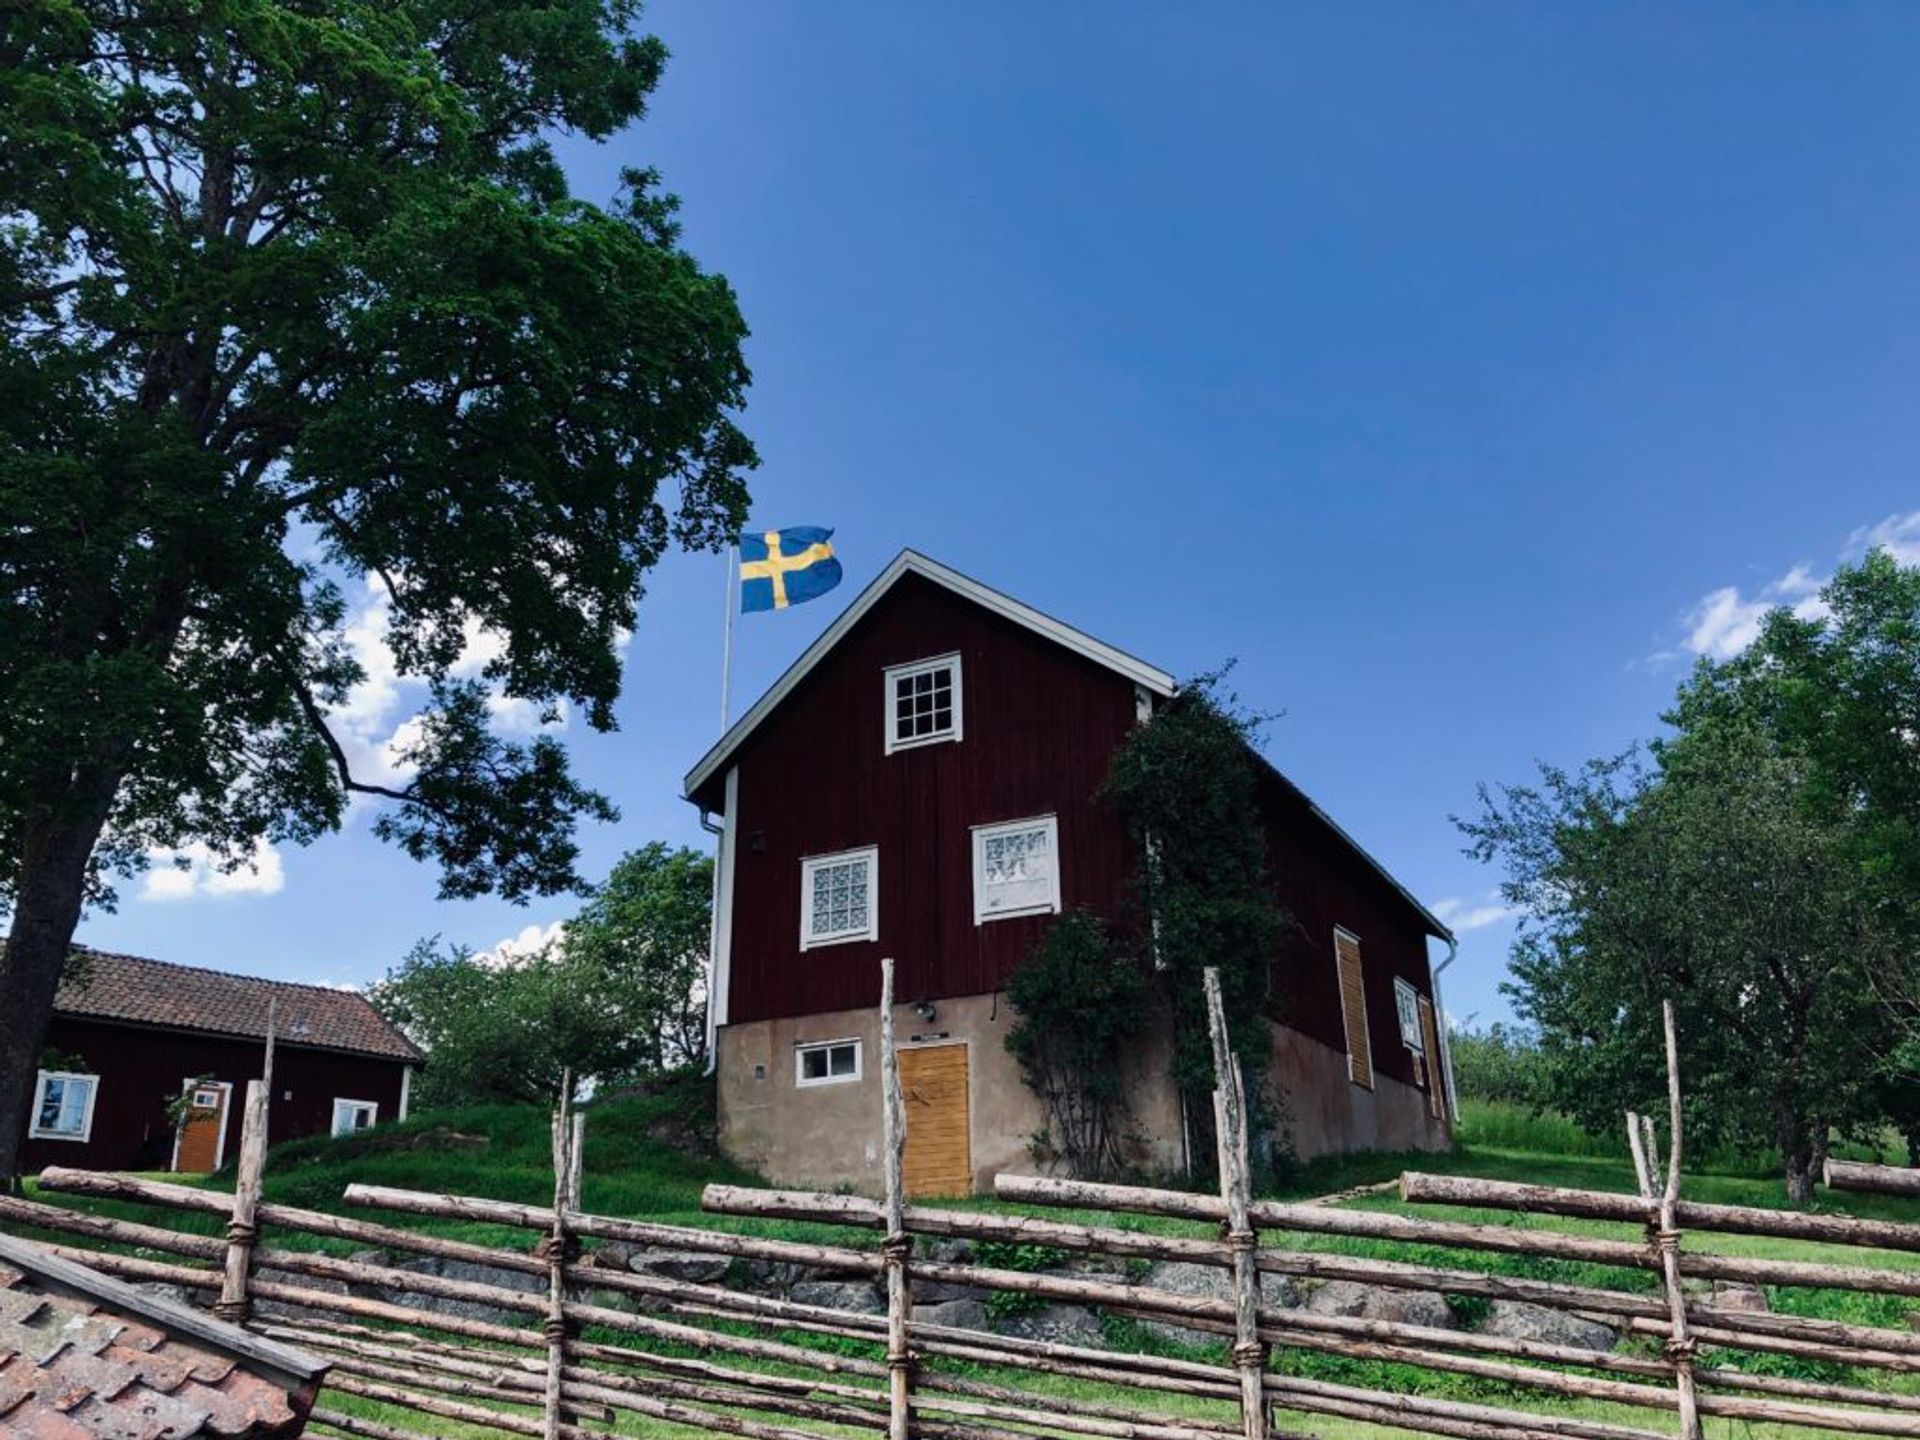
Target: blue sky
[{"x": 1460, "y": 370}]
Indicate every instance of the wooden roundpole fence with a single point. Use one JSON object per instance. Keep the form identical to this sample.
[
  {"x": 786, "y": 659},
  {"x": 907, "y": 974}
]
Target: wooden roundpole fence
[
  {"x": 565, "y": 1187},
  {"x": 898, "y": 1244},
  {"x": 1249, "y": 1351}
]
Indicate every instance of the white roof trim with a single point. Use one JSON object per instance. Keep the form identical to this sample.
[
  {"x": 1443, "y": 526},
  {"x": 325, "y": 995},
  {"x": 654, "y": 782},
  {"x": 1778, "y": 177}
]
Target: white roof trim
[{"x": 912, "y": 562}]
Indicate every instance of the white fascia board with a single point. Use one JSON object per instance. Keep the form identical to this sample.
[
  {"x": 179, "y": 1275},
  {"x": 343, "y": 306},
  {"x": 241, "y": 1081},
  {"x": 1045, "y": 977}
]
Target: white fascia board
[{"x": 908, "y": 562}]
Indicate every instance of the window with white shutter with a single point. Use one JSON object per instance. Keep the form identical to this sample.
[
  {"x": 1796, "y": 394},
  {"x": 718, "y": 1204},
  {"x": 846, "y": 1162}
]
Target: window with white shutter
[{"x": 1016, "y": 869}]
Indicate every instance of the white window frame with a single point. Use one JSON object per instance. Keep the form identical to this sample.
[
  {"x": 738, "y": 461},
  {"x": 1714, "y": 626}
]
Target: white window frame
[
  {"x": 34, "y": 1130},
  {"x": 981, "y": 834},
  {"x": 889, "y": 699},
  {"x": 800, "y": 1080},
  {"x": 1406, "y": 1007},
  {"x": 868, "y": 853},
  {"x": 372, "y": 1107}
]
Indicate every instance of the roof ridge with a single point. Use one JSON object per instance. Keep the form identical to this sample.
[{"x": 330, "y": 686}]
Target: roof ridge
[{"x": 223, "y": 974}]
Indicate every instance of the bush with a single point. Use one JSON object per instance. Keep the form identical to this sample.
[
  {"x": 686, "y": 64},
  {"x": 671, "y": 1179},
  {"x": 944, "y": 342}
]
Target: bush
[{"x": 1500, "y": 1063}]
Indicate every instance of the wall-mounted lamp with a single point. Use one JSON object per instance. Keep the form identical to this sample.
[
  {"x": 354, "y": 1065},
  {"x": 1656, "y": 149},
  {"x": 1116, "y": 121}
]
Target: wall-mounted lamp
[{"x": 924, "y": 1009}]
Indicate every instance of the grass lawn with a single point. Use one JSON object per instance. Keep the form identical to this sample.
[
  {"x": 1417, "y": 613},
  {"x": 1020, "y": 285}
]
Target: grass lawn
[{"x": 638, "y": 1165}]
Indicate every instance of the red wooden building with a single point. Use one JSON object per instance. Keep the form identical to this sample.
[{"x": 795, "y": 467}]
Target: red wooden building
[
  {"x": 922, "y": 783},
  {"x": 145, "y": 1063}
]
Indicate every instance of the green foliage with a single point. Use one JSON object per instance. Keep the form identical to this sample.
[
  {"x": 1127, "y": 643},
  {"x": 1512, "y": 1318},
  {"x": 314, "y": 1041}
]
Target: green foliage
[
  {"x": 1079, "y": 1003},
  {"x": 294, "y": 297},
  {"x": 1752, "y": 872},
  {"x": 1500, "y": 1063},
  {"x": 1009, "y": 1255},
  {"x": 1187, "y": 786},
  {"x": 507, "y": 1031},
  {"x": 647, "y": 929}
]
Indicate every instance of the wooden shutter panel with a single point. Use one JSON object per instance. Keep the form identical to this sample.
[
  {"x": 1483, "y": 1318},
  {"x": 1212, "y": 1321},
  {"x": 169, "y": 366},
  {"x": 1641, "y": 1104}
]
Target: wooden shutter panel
[
  {"x": 1436, "y": 1072},
  {"x": 1353, "y": 1008}
]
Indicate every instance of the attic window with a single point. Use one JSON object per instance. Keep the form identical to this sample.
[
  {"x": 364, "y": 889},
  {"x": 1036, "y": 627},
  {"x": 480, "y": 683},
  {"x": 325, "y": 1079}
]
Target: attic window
[{"x": 923, "y": 702}]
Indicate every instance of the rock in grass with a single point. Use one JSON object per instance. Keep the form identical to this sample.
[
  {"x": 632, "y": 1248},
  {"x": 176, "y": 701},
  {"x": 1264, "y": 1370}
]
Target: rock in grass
[
  {"x": 1208, "y": 1282},
  {"x": 1517, "y": 1320},
  {"x": 960, "y": 1314},
  {"x": 857, "y": 1297},
  {"x": 1427, "y": 1308},
  {"x": 1054, "y": 1325}
]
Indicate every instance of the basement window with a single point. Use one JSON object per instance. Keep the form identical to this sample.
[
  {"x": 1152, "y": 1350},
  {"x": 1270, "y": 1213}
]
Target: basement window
[
  {"x": 63, "y": 1106},
  {"x": 834, "y": 1063},
  {"x": 923, "y": 702}
]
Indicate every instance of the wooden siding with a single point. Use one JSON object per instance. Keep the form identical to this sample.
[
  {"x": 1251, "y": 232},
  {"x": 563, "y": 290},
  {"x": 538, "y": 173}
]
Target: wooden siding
[
  {"x": 933, "y": 1083},
  {"x": 141, "y": 1071},
  {"x": 1324, "y": 884},
  {"x": 1040, "y": 725}
]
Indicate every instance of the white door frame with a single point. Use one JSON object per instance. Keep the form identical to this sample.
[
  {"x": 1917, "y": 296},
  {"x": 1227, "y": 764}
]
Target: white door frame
[{"x": 225, "y": 1087}]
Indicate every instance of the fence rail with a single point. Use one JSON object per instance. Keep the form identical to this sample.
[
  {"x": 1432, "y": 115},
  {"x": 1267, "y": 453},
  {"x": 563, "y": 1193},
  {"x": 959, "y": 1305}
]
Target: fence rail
[{"x": 553, "y": 1344}]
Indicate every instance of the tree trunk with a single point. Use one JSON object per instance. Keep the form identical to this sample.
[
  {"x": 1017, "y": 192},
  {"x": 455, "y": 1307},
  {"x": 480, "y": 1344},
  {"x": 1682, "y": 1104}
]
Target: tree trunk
[
  {"x": 1913, "y": 1143},
  {"x": 1796, "y": 1151},
  {"x": 50, "y": 889}
]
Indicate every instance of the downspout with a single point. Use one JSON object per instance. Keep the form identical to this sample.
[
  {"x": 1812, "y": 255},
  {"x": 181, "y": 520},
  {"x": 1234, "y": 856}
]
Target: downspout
[
  {"x": 713, "y": 939},
  {"x": 1446, "y": 1055}
]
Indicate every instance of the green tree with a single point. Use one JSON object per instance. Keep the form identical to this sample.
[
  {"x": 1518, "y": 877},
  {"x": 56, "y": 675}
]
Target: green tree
[
  {"x": 647, "y": 930},
  {"x": 508, "y": 1031},
  {"x": 1080, "y": 1003},
  {"x": 1715, "y": 879},
  {"x": 1187, "y": 785},
  {"x": 292, "y": 294}
]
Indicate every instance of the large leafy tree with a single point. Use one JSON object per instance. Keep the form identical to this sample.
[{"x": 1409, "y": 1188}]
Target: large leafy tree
[
  {"x": 293, "y": 292},
  {"x": 1758, "y": 873},
  {"x": 647, "y": 929}
]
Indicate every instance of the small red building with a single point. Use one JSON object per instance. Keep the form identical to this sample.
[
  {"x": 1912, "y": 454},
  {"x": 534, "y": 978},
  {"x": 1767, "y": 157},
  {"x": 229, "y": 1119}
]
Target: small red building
[
  {"x": 923, "y": 783},
  {"x": 145, "y": 1061}
]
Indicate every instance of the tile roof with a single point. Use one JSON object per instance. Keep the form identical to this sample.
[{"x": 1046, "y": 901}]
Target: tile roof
[
  {"x": 80, "y": 1365},
  {"x": 128, "y": 988}
]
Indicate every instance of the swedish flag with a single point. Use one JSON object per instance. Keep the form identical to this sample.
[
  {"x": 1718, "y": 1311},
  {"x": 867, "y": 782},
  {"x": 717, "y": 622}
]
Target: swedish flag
[{"x": 779, "y": 568}]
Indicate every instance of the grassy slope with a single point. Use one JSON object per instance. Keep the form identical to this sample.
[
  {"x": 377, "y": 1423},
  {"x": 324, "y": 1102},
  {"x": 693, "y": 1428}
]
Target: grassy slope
[{"x": 633, "y": 1170}]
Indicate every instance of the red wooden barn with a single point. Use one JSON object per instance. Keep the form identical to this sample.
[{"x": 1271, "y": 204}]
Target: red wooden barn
[
  {"x": 922, "y": 783},
  {"x": 145, "y": 1064}
]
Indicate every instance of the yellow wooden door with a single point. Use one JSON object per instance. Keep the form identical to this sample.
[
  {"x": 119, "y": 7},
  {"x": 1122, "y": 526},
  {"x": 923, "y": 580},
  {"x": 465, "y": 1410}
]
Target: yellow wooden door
[
  {"x": 933, "y": 1082},
  {"x": 198, "y": 1152}
]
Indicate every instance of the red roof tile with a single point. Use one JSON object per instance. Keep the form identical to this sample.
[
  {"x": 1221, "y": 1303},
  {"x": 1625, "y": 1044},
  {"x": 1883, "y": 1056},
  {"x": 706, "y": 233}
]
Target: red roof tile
[
  {"x": 128, "y": 988},
  {"x": 66, "y": 1375}
]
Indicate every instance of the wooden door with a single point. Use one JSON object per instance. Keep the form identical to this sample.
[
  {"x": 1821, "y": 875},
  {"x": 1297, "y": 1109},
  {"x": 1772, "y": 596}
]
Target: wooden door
[
  {"x": 1436, "y": 1072},
  {"x": 198, "y": 1148},
  {"x": 933, "y": 1082}
]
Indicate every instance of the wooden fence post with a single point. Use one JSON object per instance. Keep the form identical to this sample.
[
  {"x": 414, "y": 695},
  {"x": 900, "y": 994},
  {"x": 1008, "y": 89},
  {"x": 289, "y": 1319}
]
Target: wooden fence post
[
  {"x": 898, "y": 1245},
  {"x": 1663, "y": 1233},
  {"x": 1236, "y": 1189},
  {"x": 567, "y": 1132},
  {"x": 243, "y": 1230}
]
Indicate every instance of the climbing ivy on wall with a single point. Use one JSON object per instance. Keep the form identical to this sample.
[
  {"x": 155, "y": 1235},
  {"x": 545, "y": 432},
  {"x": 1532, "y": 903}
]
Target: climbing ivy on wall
[{"x": 1186, "y": 784}]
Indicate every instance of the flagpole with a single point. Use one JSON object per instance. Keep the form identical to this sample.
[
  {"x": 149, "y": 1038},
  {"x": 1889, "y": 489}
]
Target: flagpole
[{"x": 726, "y": 652}]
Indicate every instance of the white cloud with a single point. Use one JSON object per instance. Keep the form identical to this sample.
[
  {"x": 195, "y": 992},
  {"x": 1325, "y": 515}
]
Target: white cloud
[
  {"x": 1898, "y": 535},
  {"x": 380, "y": 717},
  {"x": 1460, "y": 915},
  {"x": 521, "y": 947},
  {"x": 195, "y": 870},
  {"x": 1726, "y": 621}
]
